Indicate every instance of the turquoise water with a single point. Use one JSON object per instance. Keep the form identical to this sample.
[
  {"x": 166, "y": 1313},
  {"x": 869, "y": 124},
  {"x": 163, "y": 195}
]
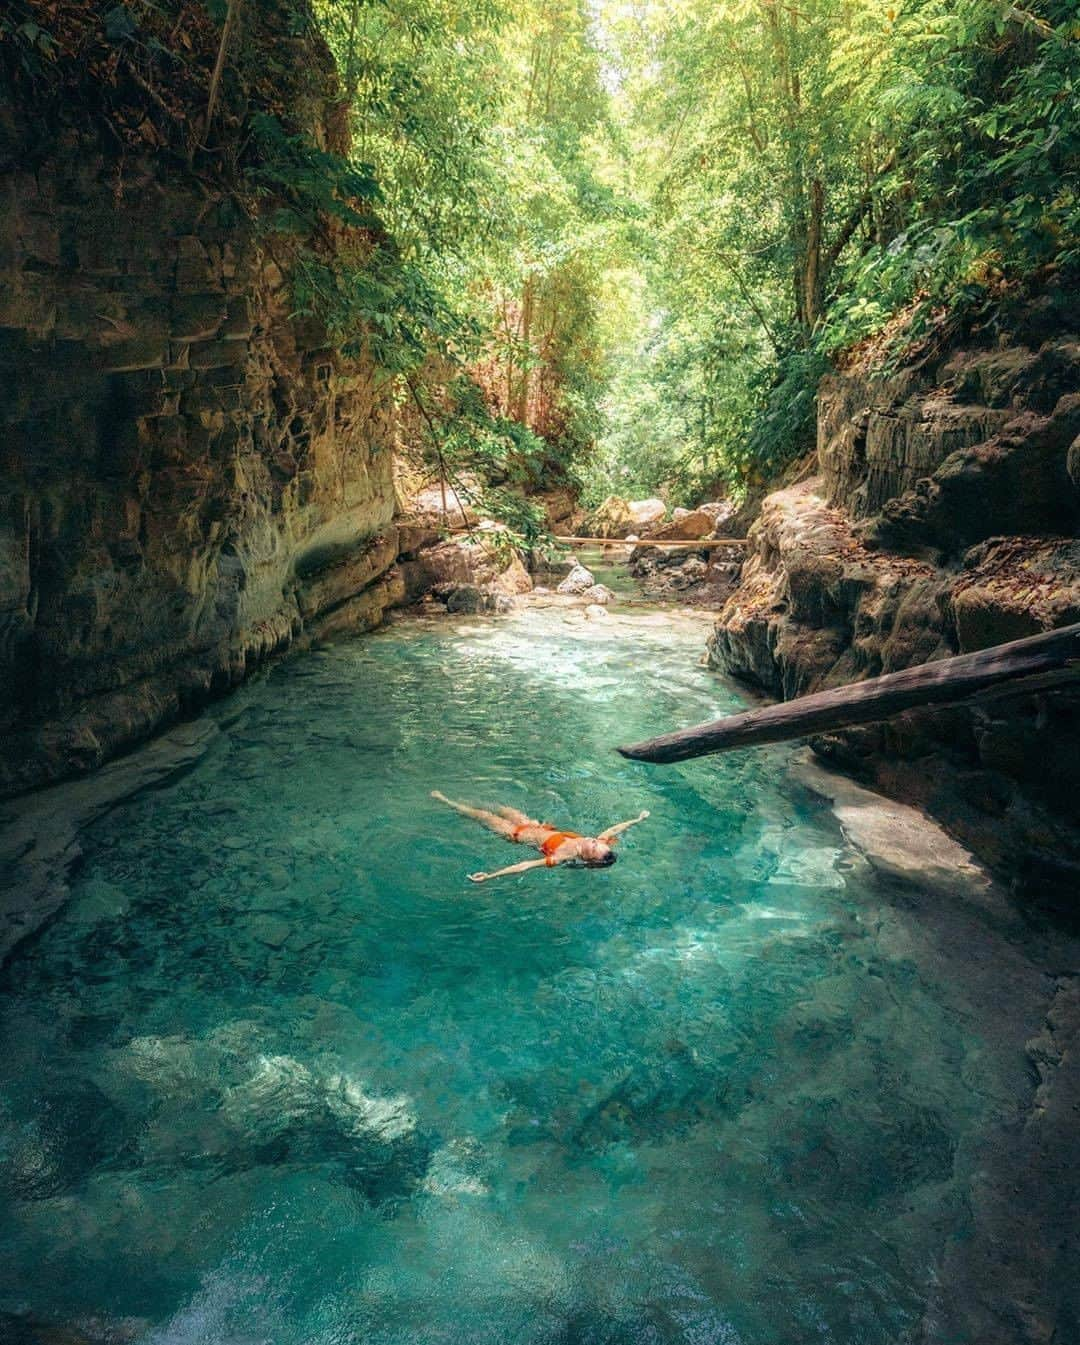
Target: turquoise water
[
  {"x": 280, "y": 1074},
  {"x": 608, "y": 566}
]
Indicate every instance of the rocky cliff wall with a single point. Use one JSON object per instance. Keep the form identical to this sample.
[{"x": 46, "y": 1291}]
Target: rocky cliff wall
[
  {"x": 943, "y": 519},
  {"x": 191, "y": 479}
]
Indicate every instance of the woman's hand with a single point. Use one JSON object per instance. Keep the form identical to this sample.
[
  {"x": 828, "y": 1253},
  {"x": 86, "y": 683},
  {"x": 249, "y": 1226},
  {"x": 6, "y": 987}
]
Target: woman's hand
[{"x": 478, "y": 877}]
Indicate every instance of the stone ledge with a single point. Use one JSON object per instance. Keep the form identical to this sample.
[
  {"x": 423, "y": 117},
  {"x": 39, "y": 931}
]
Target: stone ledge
[
  {"x": 898, "y": 841},
  {"x": 39, "y": 834},
  {"x": 327, "y": 588}
]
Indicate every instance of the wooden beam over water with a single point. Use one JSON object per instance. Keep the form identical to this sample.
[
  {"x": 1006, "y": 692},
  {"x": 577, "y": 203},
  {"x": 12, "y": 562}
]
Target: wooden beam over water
[
  {"x": 1037, "y": 663},
  {"x": 704, "y": 543},
  {"x": 680, "y": 545}
]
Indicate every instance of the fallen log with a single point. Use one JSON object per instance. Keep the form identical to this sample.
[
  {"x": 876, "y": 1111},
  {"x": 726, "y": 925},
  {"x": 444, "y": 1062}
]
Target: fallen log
[
  {"x": 1036, "y": 663},
  {"x": 676, "y": 545}
]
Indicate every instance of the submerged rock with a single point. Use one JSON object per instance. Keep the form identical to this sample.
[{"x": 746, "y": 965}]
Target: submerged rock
[{"x": 73, "y": 1129}]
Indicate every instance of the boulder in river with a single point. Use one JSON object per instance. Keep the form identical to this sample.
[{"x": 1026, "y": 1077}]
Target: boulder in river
[
  {"x": 686, "y": 526},
  {"x": 577, "y": 582},
  {"x": 467, "y": 598},
  {"x": 611, "y": 519},
  {"x": 473, "y": 599},
  {"x": 616, "y": 517},
  {"x": 464, "y": 560},
  {"x": 552, "y": 565},
  {"x": 647, "y": 513},
  {"x": 599, "y": 593}
]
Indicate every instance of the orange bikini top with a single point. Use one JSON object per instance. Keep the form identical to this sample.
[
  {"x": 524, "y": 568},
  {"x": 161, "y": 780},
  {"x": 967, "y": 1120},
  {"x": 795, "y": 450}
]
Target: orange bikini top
[{"x": 551, "y": 843}]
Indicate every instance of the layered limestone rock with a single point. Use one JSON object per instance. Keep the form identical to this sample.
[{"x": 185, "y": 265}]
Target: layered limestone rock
[
  {"x": 191, "y": 478},
  {"x": 476, "y": 560},
  {"x": 880, "y": 439},
  {"x": 943, "y": 520}
]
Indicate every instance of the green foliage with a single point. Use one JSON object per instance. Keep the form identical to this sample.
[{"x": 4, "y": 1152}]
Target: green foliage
[
  {"x": 480, "y": 136},
  {"x": 420, "y": 81},
  {"x": 982, "y": 100},
  {"x": 524, "y": 522},
  {"x": 317, "y": 185},
  {"x": 615, "y": 245},
  {"x": 33, "y": 46},
  {"x": 490, "y": 461},
  {"x": 814, "y": 171},
  {"x": 610, "y": 244}
]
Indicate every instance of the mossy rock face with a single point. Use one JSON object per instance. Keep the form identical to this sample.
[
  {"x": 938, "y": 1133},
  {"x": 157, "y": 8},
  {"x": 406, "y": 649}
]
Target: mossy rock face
[
  {"x": 205, "y": 473},
  {"x": 943, "y": 521}
]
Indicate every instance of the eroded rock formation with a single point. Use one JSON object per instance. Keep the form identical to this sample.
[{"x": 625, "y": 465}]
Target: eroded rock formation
[
  {"x": 192, "y": 477},
  {"x": 943, "y": 519}
]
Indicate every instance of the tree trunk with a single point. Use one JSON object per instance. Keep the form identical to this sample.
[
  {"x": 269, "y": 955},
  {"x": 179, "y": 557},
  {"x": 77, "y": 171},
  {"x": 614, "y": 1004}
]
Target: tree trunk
[
  {"x": 520, "y": 411},
  {"x": 1040, "y": 661},
  {"x": 219, "y": 65},
  {"x": 812, "y": 261}
]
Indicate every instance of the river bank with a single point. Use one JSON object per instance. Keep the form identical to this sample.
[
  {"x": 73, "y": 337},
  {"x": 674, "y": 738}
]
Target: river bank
[{"x": 938, "y": 516}]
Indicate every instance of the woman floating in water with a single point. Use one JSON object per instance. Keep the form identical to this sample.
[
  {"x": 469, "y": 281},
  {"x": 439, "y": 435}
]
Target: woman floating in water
[{"x": 556, "y": 847}]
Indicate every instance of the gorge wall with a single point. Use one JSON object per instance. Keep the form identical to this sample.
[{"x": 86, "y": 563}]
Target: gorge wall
[
  {"x": 192, "y": 478},
  {"x": 942, "y": 518}
]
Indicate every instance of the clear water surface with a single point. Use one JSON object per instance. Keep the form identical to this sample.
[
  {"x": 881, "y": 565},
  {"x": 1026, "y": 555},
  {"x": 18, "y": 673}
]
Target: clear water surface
[{"x": 280, "y": 1074}]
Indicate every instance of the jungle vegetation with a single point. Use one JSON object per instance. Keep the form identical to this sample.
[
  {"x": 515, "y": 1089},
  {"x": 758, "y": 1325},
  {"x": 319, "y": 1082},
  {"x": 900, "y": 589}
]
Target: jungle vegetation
[
  {"x": 660, "y": 219},
  {"x": 617, "y": 242}
]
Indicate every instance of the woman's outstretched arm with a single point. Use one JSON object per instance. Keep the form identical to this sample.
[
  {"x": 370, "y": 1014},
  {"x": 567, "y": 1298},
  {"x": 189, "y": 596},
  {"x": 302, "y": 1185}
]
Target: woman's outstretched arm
[
  {"x": 513, "y": 868},
  {"x": 619, "y": 827}
]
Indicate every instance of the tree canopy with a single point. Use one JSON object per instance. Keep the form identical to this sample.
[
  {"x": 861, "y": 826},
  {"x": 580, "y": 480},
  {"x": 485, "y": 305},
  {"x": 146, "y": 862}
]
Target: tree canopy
[
  {"x": 661, "y": 219},
  {"x": 615, "y": 243}
]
